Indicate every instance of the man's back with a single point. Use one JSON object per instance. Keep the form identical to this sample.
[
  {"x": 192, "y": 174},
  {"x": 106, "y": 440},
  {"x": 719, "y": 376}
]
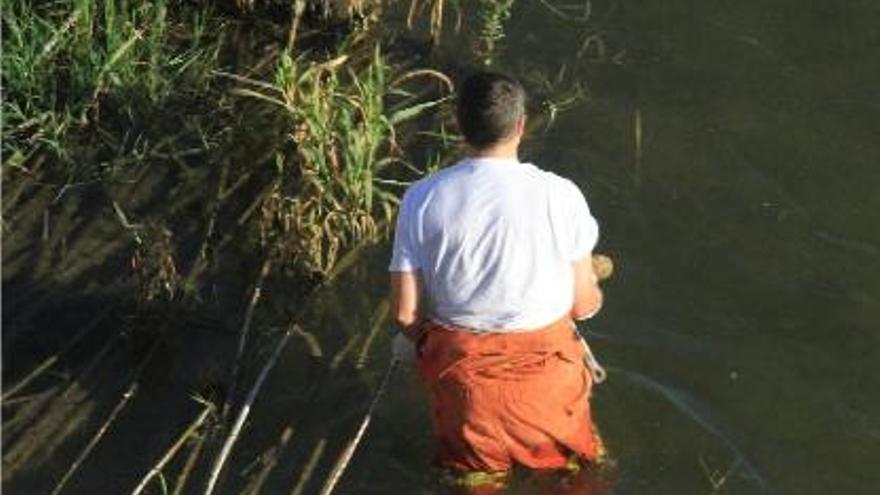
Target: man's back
[{"x": 494, "y": 240}]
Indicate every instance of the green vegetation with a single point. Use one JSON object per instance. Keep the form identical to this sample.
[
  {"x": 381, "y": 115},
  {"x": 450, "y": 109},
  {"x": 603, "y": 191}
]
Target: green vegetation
[
  {"x": 493, "y": 14},
  {"x": 63, "y": 62},
  {"x": 344, "y": 137},
  {"x": 92, "y": 85}
]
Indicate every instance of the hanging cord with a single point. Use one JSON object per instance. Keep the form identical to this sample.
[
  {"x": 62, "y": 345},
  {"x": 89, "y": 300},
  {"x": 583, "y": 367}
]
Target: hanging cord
[
  {"x": 603, "y": 267},
  {"x": 596, "y": 370},
  {"x": 348, "y": 453}
]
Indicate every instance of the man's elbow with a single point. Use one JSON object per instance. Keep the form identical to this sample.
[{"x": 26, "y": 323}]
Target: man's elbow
[
  {"x": 404, "y": 319},
  {"x": 587, "y": 305}
]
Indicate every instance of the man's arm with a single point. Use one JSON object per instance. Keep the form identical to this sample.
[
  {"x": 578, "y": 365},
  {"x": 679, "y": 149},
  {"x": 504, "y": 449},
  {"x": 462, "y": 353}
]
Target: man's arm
[
  {"x": 406, "y": 301},
  {"x": 587, "y": 294}
]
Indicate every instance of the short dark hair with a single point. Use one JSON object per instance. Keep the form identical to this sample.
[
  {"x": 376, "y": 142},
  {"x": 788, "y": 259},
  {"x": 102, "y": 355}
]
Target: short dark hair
[{"x": 489, "y": 105}]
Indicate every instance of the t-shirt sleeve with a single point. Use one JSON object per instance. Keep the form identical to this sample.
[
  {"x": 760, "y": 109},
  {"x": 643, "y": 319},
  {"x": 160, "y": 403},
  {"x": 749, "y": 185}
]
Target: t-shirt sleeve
[
  {"x": 404, "y": 254},
  {"x": 585, "y": 229}
]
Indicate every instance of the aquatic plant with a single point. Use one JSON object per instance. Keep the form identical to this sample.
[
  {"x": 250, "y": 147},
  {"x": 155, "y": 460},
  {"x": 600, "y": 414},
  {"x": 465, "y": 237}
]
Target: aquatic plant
[{"x": 493, "y": 14}]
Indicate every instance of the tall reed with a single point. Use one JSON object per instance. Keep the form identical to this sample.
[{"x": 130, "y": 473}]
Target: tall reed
[{"x": 345, "y": 142}]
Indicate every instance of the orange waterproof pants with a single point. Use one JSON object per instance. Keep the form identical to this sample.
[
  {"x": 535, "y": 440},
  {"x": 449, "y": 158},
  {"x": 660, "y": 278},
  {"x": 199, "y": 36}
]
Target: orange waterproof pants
[{"x": 505, "y": 398}]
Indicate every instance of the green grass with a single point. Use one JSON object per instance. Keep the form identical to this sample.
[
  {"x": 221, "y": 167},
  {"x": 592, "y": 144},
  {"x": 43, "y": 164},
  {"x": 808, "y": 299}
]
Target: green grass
[{"x": 62, "y": 60}]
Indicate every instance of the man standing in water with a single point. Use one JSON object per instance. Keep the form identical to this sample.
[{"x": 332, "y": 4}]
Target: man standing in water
[{"x": 491, "y": 265}]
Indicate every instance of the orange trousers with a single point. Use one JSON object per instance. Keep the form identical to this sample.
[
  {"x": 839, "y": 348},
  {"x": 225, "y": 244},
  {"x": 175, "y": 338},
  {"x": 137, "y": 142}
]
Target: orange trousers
[{"x": 500, "y": 399}]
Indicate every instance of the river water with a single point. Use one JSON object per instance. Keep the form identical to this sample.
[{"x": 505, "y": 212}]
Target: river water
[{"x": 730, "y": 152}]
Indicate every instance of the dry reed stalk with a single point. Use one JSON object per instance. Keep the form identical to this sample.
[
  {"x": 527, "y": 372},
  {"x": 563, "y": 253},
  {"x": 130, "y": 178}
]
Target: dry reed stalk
[
  {"x": 269, "y": 459},
  {"x": 235, "y": 186},
  {"x": 346, "y": 349},
  {"x": 51, "y": 360},
  {"x": 202, "y": 258},
  {"x": 450, "y": 86},
  {"x": 245, "y": 411},
  {"x": 258, "y": 202},
  {"x": 378, "y": 319},
  {"x": 585, "y": 17},
  {"x": 188, "y": 466},
  {"x": 191, "y": 429},
  {"x": 309, "y": 468},
  {"x": 437, "y": 20},
  {"x": 311, "y": 341},
  {"x": 243, "y": 334},
  {"x": 637, "y": 145},
  {"x": 348, "y": 453},
  {"x": 299, "y": 6},
  {"x": 126, "y": 398}
]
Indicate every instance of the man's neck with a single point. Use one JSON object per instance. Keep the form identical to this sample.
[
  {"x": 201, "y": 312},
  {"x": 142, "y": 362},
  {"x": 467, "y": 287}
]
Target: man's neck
[{"x": 504, "y": 150}]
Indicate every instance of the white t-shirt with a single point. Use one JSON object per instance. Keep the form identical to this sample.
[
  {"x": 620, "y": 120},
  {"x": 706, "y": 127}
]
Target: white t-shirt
[{"x": 494, "y": 240}]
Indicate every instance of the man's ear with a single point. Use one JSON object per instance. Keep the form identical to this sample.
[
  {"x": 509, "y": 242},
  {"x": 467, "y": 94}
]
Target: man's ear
[{"x": 520, "y": 126}]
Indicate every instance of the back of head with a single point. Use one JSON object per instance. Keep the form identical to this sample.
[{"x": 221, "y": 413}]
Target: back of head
[{"x": 489, "y": 106}]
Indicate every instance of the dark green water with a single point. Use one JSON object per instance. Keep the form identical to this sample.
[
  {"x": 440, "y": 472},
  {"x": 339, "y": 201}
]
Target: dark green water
[{"x": 741, "y": 328}]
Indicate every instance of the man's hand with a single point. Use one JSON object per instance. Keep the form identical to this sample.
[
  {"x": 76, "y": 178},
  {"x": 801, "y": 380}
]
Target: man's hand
[
  {"x": 403, "y": 349},
  {"x": 588, "y": 271}
]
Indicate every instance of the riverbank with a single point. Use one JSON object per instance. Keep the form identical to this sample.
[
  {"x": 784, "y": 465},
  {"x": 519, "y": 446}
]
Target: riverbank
[{"x": 179, "y": 180}]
